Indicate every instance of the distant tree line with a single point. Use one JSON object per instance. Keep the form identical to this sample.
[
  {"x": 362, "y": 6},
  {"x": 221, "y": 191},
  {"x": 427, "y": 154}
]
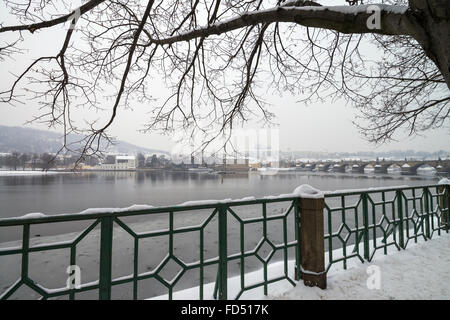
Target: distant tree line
[{"x": 43, "y": 161}]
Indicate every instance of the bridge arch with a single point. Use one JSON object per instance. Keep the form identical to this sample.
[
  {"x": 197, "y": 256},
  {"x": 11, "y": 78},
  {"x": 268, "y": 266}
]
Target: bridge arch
[
  {"x": 394, "y": 168},
  {"x": 426, "y": 169}
]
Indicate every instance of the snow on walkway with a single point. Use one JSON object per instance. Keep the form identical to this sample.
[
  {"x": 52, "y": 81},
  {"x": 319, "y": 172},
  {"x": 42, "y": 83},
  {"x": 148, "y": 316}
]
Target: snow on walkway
[{"x": 422, "y": 271}]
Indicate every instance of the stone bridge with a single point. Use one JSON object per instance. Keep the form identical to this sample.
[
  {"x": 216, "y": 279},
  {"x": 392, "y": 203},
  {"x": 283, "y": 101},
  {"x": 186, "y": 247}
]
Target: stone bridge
[{"x": 408, "y": 167}]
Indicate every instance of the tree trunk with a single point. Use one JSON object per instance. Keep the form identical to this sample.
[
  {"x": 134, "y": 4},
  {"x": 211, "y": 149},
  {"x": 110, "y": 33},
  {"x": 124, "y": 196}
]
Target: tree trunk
[{"x": 433, "y": 31}]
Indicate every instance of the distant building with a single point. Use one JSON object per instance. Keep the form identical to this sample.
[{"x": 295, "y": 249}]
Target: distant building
[
  {"x": 234, "y": 165},
  {"x": 121, "y": 163}
]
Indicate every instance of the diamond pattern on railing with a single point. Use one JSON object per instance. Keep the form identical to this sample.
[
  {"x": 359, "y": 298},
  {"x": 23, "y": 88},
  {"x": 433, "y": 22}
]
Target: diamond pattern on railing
[
  {"x": 384, "y": 223},
  {"x": 171, "y": 270},
  {"x": 264, "y": 250},
  {"x": 344, "y": 233},
  {"x": 415, "y": 218},
  {"x": 413, "y": 213}
]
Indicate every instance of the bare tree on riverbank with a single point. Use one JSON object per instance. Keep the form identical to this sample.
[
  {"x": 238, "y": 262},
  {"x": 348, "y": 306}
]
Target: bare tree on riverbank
[{"x": 218, "y": 58}]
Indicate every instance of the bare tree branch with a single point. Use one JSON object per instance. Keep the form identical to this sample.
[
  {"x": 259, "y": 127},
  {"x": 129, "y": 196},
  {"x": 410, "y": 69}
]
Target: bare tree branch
[{"x": 219, "y": 59}]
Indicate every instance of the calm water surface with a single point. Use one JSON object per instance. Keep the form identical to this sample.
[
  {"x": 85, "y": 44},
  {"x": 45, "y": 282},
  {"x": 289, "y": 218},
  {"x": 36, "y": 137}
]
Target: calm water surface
[{"x": 65, "y": 193}]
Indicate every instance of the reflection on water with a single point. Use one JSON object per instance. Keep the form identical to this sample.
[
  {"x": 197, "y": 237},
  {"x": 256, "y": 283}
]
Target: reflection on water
[{"x": 54, "y": 194}]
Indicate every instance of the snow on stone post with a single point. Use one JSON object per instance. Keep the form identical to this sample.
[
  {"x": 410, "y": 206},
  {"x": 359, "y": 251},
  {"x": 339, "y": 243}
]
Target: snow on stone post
[{"x": 312, "y": 250}]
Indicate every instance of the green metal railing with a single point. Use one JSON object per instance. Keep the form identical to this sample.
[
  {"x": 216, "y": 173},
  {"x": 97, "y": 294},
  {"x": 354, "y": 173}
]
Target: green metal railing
[
  {"x": 369, "y": 220},
  {"x": 382, "y": 218},
  {"x": 221, "y": 212}
]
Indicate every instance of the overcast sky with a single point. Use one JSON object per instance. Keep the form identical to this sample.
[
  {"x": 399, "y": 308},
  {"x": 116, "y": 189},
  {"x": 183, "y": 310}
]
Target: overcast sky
[{"x": 316, "y": 127}]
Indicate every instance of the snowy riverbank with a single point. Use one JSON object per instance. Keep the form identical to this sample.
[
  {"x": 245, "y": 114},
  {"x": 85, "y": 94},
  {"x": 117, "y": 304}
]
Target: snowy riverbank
[{"x": 7, "y": 173}]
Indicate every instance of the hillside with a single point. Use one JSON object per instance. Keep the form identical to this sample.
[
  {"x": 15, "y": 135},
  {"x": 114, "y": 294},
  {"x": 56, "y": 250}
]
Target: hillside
[{"x": 28, "y": 140}]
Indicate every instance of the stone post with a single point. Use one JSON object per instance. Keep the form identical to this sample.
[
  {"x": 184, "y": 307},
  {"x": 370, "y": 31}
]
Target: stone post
[
  {"x": 312, "y": 248},
  {"x": 445, "y": 215}
]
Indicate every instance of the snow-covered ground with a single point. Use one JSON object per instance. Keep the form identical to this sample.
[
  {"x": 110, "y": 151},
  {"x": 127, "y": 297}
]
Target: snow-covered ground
[{"x": 419, "y": 272}]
